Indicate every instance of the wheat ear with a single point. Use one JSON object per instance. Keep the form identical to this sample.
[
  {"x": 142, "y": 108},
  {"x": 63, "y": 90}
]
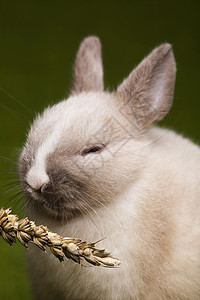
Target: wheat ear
[{"x": 25, "y": 231}]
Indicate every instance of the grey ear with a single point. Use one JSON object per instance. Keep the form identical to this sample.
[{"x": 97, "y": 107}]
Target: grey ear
[
  {"x": 88, "y": 69},
  {"x": 148, "y": 91}
]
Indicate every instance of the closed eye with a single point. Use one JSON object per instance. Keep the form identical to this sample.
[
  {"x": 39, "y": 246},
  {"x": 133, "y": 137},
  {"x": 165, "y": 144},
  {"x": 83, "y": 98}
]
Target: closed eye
[{"x": 95, "y": 149}]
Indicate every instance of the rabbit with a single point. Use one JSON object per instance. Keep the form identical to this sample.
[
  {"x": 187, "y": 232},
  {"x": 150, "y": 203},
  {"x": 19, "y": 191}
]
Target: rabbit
[{"x": 96, "y": 165}]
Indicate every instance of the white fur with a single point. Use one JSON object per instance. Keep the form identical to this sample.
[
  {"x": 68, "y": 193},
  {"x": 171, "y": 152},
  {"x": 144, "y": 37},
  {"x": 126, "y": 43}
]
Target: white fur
[{"x": 37, "y": 176}]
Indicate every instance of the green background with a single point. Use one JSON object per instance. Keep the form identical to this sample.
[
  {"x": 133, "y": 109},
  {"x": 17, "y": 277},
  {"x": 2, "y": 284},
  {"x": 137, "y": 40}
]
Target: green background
[{"x": 39, "y": 40}]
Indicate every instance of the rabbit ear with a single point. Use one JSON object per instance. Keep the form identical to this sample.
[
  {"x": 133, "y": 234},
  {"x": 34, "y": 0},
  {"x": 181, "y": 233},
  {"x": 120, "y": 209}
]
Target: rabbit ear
[
  {"x": 88, "y": 69},
  {"x": 148, "y": 91}
]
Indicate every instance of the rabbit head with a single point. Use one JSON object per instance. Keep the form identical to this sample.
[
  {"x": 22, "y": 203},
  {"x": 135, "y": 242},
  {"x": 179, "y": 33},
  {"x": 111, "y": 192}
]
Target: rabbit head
[{"x": 86, "y": 150}]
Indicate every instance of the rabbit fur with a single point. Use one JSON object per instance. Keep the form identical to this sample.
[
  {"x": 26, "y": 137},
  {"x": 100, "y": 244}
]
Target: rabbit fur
[{"x": 95, "y": 165}]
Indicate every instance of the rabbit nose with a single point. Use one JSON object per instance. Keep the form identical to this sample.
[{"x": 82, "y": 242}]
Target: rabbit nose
[
  {"x": 41, "y": 188},
  {"x": 37, "y": 179}
]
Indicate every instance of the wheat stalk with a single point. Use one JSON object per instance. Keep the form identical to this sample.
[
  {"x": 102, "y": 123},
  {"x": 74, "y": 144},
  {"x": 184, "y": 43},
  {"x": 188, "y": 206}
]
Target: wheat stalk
[{"x": 25, "y": 231}]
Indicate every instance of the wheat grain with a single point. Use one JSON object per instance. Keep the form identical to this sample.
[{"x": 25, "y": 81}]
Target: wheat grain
[{"x": 25, "y": 231}]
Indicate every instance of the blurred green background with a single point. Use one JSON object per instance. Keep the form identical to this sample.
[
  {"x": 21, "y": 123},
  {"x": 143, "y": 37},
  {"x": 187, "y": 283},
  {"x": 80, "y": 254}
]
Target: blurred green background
[{"x": 39, "y": 40}]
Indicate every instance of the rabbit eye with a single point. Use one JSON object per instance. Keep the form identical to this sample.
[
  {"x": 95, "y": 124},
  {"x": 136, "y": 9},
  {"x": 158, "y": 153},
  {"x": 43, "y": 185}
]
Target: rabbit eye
[{"x": 95, "y": 149}]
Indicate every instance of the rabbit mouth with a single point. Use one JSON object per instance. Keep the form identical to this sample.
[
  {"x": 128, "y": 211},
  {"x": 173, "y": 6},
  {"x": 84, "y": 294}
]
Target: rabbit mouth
[
  {"x": 56, "y": 206},
  {"x": 61, "y": 209},
  {"x": 60, "y": 199}
]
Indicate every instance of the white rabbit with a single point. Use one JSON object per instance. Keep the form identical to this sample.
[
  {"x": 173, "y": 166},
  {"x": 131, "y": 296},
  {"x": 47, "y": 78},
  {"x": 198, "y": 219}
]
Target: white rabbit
[{"x": 94, "y": 166}]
